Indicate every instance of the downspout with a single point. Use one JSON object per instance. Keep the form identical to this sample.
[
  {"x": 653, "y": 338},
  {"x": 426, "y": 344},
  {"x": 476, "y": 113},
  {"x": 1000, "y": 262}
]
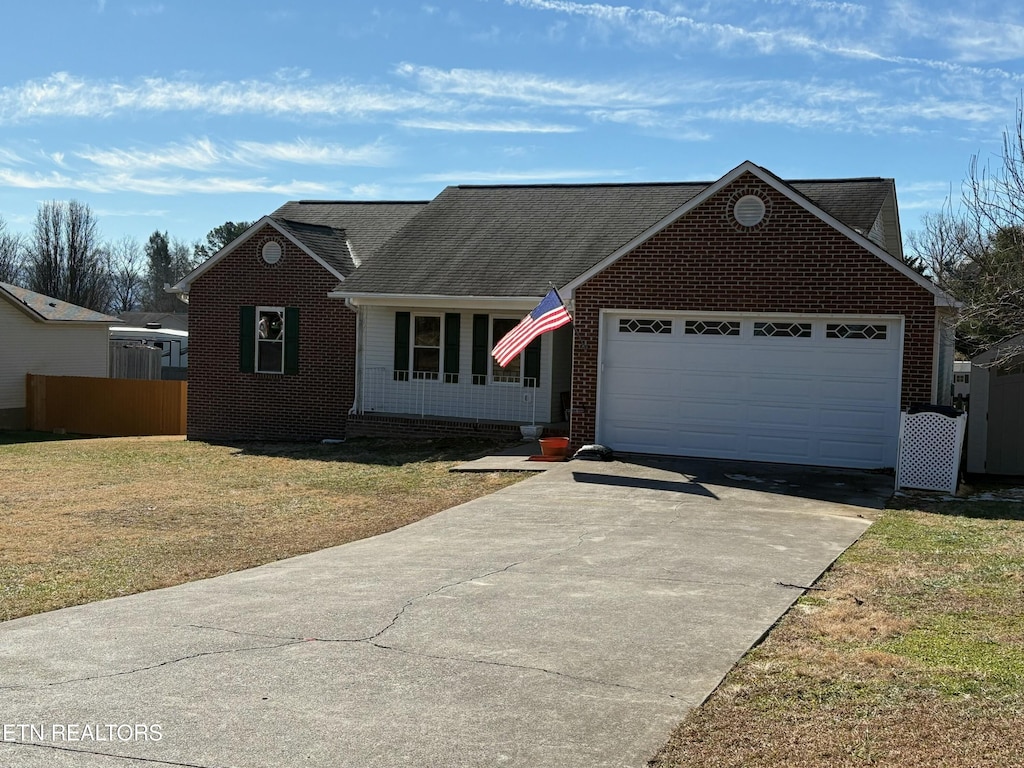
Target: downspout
[{"x": 357, "y": 368}]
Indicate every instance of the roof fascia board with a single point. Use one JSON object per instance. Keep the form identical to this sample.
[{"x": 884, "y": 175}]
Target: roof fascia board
[
  {"x": 941, "y": 297},
  {"x": 437, "y": 301},
  {"x": 183, "y": 285}
]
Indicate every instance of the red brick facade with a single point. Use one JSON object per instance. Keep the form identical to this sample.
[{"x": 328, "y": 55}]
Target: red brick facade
[
  {"x": 224, "y": 403},
  {"x": 791, "y": 262}
]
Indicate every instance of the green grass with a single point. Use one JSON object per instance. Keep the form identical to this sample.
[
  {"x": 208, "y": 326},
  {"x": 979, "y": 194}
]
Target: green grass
[
  {"x": 90, "y": 519},
  {"x": 912, "y": 656}
]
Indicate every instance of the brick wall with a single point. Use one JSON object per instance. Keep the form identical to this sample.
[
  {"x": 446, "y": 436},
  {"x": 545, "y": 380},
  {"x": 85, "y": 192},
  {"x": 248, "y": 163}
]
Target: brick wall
[
  {"x": 411, "y": 427},
  {"x": 225, "y": 404},
  {"x": 791, "y": 262}
]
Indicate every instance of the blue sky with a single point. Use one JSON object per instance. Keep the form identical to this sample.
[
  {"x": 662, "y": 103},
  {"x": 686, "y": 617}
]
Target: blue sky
[{"x": 177, "y": 115}]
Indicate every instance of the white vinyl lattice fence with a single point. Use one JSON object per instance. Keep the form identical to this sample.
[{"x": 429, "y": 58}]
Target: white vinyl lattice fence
[{"x": 930, "y": 449}]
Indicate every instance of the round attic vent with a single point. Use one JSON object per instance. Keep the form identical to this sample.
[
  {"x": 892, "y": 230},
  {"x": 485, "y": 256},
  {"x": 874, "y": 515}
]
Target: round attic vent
[
  {"x": 749, "y": 210},
  {"x": 271, "y": 252}
]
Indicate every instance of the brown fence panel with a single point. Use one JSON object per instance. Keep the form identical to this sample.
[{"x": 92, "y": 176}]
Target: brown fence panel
[{"x": 108, "y": 407}]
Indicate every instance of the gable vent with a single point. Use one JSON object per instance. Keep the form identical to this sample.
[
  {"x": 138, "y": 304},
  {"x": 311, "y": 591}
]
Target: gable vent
[
  {"x": 271, "y": 252},
  {"x": 749, "y": 210}
]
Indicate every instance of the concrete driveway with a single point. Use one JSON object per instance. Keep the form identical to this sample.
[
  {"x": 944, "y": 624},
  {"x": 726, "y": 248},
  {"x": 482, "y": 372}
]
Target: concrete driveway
[{"x": 570, "y": 620}]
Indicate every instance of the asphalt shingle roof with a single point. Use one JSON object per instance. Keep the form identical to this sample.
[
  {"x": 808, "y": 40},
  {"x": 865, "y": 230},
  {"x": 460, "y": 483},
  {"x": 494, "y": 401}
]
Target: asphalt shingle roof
[
  {"x": 344, "y": 234},
  {"x": 514, "y": 240},
  {"x": 49, "y": 309}
]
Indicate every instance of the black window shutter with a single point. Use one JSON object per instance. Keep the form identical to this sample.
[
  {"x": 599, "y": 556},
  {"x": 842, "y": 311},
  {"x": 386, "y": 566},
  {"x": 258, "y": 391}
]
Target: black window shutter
[
  {"x": 531, "y": 367},
  {"x": 452, "y": 324},
  {"x": 481, "y": 325},
  {"x": 402, "y": 320},
  {"x": 247, "y": 339},
  {"x": 291, "y": 340}
]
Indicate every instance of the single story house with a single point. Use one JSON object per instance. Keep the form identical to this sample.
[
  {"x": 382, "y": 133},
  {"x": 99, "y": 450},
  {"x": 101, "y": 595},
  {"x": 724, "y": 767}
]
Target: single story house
[
  {"x": 746, "y": 318},
  {"x": 43, "y": 335}
]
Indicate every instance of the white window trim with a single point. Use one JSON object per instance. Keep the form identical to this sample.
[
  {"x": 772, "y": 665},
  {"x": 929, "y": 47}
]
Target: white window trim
[
  {"x": 494, "y": 372},
  {"x": 256, "y": 332},
  {"x": 412, "y": 348}
]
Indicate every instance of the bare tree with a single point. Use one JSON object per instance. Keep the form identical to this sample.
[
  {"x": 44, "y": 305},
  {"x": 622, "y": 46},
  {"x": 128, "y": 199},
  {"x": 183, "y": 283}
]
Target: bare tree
[
  {"x": 127, "y": 274},
  {"x": 11, "y": 254},
  {"x": 65, "y": 258},
  {"x": 976, "y": 251}
]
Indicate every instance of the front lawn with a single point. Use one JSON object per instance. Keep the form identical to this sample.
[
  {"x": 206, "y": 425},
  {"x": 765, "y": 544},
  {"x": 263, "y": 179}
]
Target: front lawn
[
  {"x": 912, "y": 655},
  {"x": 84, "y": 520}
]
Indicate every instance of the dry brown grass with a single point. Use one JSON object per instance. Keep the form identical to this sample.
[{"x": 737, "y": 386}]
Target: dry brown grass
[
  {"x": 913, "y": 656},
  {"x": 89, "y": 519}
]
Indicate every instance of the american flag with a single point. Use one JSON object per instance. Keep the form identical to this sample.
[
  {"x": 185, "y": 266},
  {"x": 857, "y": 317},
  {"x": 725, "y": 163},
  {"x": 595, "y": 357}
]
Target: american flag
[{"x": 547, "y": 316}]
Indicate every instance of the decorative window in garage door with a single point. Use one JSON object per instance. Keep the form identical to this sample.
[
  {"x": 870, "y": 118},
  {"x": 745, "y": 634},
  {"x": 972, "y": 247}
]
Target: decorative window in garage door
[
  {"x": 789, "y": 330},
  {"x": 644, "y": 325},
  {"x": 855, "y": 331},
  {"x": 712, "y": 327}
]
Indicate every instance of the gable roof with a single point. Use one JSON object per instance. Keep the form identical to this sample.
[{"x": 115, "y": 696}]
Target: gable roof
[
  {"x": 513, "y": 240},
  {"x": 339, "y": 235},
  {"x": 46, "y": 309},
  {"x": 791, "y": 191}
]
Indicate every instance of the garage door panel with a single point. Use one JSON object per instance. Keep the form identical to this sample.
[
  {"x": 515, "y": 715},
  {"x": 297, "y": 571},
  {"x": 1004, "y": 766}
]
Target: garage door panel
[
  {"x": 850, "y": 420},
  {"x": 780, "y": 388},
  {"x": 778, "y": 448},
  {"x": 815, "y": 400},
  {"x": 852, "y": 452},
  {"x": 697, "y": 442},
  {"x": 783, "y": 416},
  {"x": 700, "y": 384},
  {"x": 858, "y": 391}
]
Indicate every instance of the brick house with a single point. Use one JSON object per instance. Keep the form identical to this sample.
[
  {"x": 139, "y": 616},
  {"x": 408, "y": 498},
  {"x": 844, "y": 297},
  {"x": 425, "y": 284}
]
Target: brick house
[{"x": 748, "y": 318}]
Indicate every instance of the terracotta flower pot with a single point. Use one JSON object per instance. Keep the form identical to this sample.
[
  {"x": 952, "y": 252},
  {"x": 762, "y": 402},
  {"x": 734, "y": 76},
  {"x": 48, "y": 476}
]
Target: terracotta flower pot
[{"x": 554, "y": 446}]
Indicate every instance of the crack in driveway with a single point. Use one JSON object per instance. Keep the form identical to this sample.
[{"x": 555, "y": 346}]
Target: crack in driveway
[
  {"x": 295, "y": 640},
  {"x": 150, "y": 760}
]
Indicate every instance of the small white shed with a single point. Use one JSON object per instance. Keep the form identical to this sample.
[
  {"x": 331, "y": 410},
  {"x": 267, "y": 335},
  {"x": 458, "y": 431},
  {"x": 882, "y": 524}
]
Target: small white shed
[
  {"x": 995, "y": 430},
  {"x": 47, "y": 336}
]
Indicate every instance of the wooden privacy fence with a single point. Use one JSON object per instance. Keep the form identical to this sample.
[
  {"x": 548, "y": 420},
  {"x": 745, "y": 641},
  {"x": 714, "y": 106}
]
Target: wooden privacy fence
[{"x": 107, "y": 407}]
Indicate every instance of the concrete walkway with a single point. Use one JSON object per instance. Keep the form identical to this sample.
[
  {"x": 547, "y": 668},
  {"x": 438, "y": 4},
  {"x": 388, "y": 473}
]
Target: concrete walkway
[{"x": 570, "y": 620}]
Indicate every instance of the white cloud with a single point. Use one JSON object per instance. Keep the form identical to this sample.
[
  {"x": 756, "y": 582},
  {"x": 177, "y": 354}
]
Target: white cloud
[
  {"x": 533, "y": 89},
  {"x": 65, "y": 95},
  {"x": 303, "y": 152},
  {"x": 496, "y": 126},
  {"x": 10, "y": 157},
  {"x": 204, "y": 154},
  {"x": 169, "y": 186}
]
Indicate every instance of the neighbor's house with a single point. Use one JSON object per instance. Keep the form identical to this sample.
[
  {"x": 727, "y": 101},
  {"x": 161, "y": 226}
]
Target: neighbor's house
[
  {"x": 166, "y": 331},
  {"x": 43, "y": 335},
  {"x": 748, "y": 318}
]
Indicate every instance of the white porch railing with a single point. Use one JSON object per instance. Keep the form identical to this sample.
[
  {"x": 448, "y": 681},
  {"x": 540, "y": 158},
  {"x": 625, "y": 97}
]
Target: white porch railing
[{"x": 433, "y": 394}]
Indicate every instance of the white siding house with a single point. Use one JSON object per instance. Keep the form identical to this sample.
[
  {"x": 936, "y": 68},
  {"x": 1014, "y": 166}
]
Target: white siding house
[
  {"x": 498, "y": 394},
  {"x": 42, "y": 335}
]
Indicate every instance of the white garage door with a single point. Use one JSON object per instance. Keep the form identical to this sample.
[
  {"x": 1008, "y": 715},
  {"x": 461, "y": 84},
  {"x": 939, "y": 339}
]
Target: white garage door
[{"x": 822, "y": 390}]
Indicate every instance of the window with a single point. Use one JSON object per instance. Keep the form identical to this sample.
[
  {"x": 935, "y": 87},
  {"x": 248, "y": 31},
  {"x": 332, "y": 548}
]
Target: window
[
  {"x": 426, "y": 347},
  {"x": 644, "y": 325},
  {"x": 513, "y": 372},
  {"x": 790, "y": 330},
  {"x": 712, "y": 328},
  {"x": 855, "y": 331},
  {"x": 269, "y": 340}
]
